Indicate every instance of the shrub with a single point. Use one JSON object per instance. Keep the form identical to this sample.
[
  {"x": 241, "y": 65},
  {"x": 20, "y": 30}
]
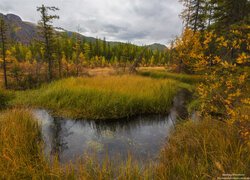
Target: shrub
[{"x": 5, "y": 97}]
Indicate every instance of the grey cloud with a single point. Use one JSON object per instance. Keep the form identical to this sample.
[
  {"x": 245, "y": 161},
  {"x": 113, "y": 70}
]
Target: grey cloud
[
  {"x": 130, "y": 35},
  {"x": 110, "y": 28},
  {"x": 138, "y": 21},
  {"x": 5, "y": 7},
  {"x": 149, "y": 8}
]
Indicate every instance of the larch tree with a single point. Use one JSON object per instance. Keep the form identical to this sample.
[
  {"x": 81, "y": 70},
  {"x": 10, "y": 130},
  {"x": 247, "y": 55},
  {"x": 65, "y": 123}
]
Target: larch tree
[
  {"x": 77, "y": 49},
  {"x": 86, "y": 50},
  {"x": 59, "y": 54},
  {"x": 3, "y": 29},
  {"x": 47, "y": 34}
]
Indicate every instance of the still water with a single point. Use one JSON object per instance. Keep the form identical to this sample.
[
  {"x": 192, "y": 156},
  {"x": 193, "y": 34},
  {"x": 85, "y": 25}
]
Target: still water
[{"x": 142, "y": 136}]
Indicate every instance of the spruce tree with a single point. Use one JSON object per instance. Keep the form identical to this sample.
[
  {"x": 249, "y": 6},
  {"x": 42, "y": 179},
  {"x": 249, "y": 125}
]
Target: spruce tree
[
  {"x": 47, "y": 34},
  {"x": 195, "y": 14}
]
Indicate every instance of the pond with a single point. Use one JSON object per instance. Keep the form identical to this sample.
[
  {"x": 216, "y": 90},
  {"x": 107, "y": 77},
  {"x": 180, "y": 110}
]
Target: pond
[{"x": 141, "y": 136}]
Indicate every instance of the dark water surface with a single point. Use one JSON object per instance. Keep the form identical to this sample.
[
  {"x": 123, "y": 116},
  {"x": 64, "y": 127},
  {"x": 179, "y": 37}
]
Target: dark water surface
[{"x": 142, "y": 136}]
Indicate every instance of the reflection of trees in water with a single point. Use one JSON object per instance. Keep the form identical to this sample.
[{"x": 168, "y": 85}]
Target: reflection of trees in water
[
  {"x": 178, "y": 111},
  {"x": 59, "y": 132},
  {"x": 123, "y": 124}
]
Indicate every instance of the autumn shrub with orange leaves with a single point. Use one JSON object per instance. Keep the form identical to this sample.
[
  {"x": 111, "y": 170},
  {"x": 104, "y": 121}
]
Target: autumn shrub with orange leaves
[
  {"x": 224, "y": 95},
  {"x": 225, "y": 92},
  {"x": 224, "y": 62},
  {"x": 187, "y": 50}
]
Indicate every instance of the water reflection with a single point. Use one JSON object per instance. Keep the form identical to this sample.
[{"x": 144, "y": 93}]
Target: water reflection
[{"x": 142, "y": 136}]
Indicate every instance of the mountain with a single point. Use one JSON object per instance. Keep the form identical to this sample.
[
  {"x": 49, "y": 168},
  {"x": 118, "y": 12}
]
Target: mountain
[
  {"x": 19, "y": 30},
  {"x": 156, "y": 46},
  {"x": 88, "y": 39},
  {"x": 25, "y": 32}
]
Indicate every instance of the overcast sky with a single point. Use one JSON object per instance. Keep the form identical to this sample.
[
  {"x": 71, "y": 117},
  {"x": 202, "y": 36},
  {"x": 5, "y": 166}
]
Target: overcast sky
[{"x": 136, "y": 21}]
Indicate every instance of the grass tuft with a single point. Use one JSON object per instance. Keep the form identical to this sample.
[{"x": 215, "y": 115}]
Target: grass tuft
[{"x": 111, "y": 97}]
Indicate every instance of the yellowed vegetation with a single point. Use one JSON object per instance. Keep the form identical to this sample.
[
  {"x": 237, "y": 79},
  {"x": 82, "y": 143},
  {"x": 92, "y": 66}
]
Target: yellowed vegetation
[{"x": 102, "y": 97}]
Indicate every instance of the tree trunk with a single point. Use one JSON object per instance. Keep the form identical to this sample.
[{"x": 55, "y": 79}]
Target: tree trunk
[
  {"x": 60, "y": 68},
  {"x": 4, "y": 60},
  {"x": 49, "y": 60}
]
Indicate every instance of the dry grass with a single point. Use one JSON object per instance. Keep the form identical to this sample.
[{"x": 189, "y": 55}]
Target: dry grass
[
  {"x": 20, "y": 152},
  {"x": 151, "y": 68},
  {"x": 101, "y": 71},
  {"x": 203, "y": 150}
]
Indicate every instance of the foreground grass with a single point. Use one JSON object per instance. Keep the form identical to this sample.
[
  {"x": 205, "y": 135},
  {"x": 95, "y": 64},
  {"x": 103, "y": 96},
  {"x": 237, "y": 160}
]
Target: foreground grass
[
  {"x": 109, "y": 97},
  {"x": 196, "y": 150},
  {"x": 203, "y": 150},
  {"x": 20, "y": 152}
]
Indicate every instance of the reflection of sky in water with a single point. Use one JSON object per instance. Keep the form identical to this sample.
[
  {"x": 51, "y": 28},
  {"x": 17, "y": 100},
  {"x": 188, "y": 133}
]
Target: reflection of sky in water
[{"x": 142, "y": 136}]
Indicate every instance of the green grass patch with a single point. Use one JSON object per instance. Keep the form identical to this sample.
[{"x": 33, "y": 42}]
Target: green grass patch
[
  {"x": 109, "y": 97},
  {"x": 163, "y": 74}
]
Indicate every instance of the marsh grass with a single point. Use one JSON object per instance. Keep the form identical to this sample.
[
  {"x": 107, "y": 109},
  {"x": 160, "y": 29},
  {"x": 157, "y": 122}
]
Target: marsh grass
[
  {"x": 20, "y": 152},
  {"x": 163, "y": 74},
  {"x": 203, "y": 150},
  {"x": 111, "y": 97}
]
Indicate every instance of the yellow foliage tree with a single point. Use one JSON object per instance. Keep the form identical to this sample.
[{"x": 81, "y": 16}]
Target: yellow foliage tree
[{"x": 187, "y": 50}]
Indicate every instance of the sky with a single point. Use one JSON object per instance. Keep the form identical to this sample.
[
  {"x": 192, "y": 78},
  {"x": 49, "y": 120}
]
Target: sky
[{"x": 137, "y": 21}]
